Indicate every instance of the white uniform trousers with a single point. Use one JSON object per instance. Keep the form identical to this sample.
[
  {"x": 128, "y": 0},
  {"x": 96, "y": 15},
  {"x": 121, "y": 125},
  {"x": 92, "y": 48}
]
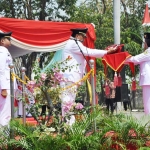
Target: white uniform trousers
[
  {"x": 146, "y": 98},
  {"x": 66, "y": 96},
  {"x": 5, "y": 109}
]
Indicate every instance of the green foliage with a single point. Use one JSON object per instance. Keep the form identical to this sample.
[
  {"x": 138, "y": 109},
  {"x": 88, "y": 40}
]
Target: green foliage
[
  {"x": 4, "y": 137},
  {"x": 101, "y": 14},
  {"x": 81, "y": 13},
  {"x": 81, "y": 92},
  {"x": 90, "y": 11},
  {"x": 37, "y": 9},
  {"x": 30, "y": 138},
  {"x": 144, "y": 148},
  {"x": 49, "y": 83},
  {"x": 110, "y": 130},
  {"x": 100, "y": 79},
  {"x": 47, "y": 90}
]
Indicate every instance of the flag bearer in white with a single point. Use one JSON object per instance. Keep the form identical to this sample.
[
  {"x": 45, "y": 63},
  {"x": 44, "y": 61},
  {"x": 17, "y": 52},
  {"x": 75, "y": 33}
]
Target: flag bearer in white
[
  {"x": 77, "y": 52},
  {"x": 143, "y": 60},
  {"x": 5, "y": 60}
]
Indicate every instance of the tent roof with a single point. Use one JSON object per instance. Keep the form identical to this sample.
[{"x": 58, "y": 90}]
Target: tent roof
[
  {"x": 41, "y": 36},
  {"x": 146, "y": 18}
]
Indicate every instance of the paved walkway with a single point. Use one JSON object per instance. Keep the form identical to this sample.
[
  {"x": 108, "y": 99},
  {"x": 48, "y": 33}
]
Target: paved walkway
[{"x": 139, "y": 114}]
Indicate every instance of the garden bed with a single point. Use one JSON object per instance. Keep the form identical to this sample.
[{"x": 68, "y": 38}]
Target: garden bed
[{"x": 112, "y": 132}]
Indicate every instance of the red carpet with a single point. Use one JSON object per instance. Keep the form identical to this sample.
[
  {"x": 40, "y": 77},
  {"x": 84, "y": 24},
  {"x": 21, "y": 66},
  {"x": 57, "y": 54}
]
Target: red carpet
[{"x": 30, "y": 121}]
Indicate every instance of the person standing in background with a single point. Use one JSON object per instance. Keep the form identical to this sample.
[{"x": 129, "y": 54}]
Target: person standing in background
[
  {"x": 6, "y": 59},
  {"x": 110, "y": 91}
]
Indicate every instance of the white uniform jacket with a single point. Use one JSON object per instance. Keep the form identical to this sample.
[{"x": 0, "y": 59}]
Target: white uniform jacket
[
  {"x": 5, "y": 60},
  {"x": 72, "y": 50},
  {"x": 144, "y": 60}
]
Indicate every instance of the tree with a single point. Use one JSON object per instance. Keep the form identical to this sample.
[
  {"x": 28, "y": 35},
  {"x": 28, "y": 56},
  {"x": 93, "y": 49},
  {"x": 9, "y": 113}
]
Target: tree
[
  {"x": 37, "y": 9},
  {"x": 94, "y": 11},
  {"x": 131, "y": 27},
  {"x": 100, "y": 12}
]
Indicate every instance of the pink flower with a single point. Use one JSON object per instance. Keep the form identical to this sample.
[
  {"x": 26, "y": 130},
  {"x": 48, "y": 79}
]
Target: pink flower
[
  {"x": 58, "y": 76},
  {"x": 30, "y": 89},
  {"x": 66, "y": 109},
  {"x": 79, "y": 106},
  {"x": 40, "y": 83},
  {"x": 31, "y": 83},
  {"x": 43, "y": 76},
  {"x": 69, "y": 57},
  {"x": 67, "y": 106}
]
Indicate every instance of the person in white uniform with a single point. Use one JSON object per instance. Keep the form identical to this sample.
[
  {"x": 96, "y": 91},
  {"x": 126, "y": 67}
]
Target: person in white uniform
[
  {"x": 75, "y": 50},
  {"x": 143, "y": 60},
  {"x": 6, "y": 59}
]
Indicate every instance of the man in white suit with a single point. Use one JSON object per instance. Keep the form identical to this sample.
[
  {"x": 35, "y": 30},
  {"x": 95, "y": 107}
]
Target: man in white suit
[
  {"x": 143, "y": 60},
  {"x": 5, "y": 60},
  {"x": 75, "y": 50}
]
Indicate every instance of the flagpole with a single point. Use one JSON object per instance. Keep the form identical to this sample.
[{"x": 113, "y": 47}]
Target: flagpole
[{"x": 116, "y": 17}]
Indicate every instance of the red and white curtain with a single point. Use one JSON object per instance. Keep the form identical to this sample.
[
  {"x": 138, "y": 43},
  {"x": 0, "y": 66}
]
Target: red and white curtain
[{"x": 43, "y": 36}]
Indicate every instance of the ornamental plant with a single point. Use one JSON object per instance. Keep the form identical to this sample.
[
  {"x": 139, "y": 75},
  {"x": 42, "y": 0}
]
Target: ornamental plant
[
  {"x": 46, "y": 88},
  {"x": 45, "y": 85},
  {"x": 115, "y": 132},
  {"x": 73, "y": 107}
]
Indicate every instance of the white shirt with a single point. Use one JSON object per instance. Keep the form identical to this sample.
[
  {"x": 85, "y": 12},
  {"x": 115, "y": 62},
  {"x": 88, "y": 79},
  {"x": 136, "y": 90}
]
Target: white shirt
[
  {"x": 143, "y": 60},
  {"x": 72, "y": 50},
  {"x": 5, "y": 60}
]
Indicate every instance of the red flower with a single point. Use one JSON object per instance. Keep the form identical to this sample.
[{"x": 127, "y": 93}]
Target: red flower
[{"x": 69, "y": 57}]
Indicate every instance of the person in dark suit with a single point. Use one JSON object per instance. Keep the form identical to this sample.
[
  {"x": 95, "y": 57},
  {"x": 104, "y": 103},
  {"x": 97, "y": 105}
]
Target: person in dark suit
[{"x": 127, "y": 103}]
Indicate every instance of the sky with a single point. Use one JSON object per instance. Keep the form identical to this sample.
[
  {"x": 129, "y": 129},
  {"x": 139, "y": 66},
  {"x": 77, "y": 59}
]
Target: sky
[
  {"x": 148, "y": 3},
  {"x": 79, "y": 1}
]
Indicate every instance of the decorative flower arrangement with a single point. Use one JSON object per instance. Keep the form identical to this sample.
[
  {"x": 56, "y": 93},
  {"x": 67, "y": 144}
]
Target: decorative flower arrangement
[
  {"x": 45, "y": 86},
  {"x": 47, "y": 91},
  {"x": 73, "y": 107}
]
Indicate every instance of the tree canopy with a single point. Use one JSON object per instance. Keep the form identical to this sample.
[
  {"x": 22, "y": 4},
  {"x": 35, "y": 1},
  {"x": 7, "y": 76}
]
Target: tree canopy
[{"x": 99, "y": 12}]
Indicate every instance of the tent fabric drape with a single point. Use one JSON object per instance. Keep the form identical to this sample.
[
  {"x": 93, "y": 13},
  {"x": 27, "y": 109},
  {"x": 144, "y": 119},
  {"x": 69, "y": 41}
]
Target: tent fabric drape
[
  {"x": 42, "y": 36},
  {"x": 42, "y": 33},
  {"x": 146, "y": 18},
  {"x": 31, "y": 48}
]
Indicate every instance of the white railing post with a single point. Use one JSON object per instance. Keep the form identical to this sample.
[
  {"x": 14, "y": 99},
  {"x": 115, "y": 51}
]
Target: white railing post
[
  {"x": 23, "y": 69},
  {"x": 93, "y": 90}
]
